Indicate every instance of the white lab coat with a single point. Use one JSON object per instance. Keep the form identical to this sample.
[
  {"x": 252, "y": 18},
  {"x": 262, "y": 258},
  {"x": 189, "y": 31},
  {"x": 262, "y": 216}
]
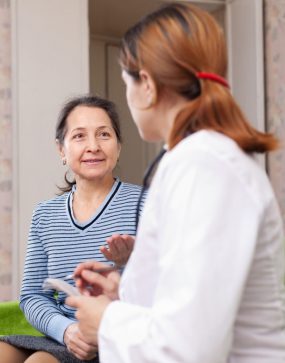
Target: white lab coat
[{"x": 205, "y": 281}]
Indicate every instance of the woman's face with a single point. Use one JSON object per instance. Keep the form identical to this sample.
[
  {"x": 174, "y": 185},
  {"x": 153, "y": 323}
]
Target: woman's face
[
  {"x": 90, "y": 146},
  {"x": 144, "y": 116}
]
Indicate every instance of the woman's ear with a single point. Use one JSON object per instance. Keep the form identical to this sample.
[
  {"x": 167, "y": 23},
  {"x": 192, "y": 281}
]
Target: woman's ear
[
  {"x": 149, "y": 86},
  {"x": 119, "y": 149},
  {"x": 60, "y": 149}
]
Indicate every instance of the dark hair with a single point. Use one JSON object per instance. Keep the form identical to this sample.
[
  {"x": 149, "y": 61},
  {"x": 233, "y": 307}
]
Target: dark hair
[
  {"x": 88, "y": 101},
  {"x": 173, "y": 44}
]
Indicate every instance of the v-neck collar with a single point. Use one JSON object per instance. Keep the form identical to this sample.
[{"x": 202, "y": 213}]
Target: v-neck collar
[{"x": 99, "y": 212}]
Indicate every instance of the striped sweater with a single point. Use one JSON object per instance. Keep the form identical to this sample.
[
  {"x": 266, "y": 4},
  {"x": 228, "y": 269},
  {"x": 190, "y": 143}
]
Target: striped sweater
[{"x": 57, "y": 243}]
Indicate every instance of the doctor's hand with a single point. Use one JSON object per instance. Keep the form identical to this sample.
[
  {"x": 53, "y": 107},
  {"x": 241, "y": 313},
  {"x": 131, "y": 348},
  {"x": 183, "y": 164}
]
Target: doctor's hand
[
  {"x": 76, "y": 343},
  {"x": 89, "y": 314},
  {"x": 92, "y": 283},
  {"x": 120, "y": 247}
]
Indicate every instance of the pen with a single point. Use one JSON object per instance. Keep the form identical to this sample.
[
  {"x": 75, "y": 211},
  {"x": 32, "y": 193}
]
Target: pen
[{"x": 98, "y": 270}]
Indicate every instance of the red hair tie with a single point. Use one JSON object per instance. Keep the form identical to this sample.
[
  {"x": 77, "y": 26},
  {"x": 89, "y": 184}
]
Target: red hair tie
[{"x": 213, "y": 77}]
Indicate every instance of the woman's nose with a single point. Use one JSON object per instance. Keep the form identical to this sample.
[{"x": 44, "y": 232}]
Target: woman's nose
[{"x": 93, "y": 144}]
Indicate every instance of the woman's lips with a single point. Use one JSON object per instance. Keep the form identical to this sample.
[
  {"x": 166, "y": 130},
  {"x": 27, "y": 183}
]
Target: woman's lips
[{"x": 92, "y": 161}]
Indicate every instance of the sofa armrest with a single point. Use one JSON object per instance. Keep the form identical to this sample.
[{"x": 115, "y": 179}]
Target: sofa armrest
[{"x": 13, "y": 321}]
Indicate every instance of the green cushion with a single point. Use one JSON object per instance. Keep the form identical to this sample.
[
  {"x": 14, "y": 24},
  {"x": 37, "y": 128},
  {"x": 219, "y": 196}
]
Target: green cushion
[{"x": 13, "y": 321}]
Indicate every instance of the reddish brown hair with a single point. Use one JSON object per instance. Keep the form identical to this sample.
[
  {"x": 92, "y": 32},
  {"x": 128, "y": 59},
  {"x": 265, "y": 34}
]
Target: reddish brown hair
[{"x": 173, "y": 44}]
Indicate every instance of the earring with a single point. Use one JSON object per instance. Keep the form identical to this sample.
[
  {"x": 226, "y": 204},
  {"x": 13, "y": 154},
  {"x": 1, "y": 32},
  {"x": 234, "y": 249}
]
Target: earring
[{"x": 63, "y": 161}]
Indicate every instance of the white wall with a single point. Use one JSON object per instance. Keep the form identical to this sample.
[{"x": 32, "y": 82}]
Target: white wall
[
  {"x": 50, "y": 64},
  {"x": 245, "y": 40},
  {"x": 246, "y": 60}
]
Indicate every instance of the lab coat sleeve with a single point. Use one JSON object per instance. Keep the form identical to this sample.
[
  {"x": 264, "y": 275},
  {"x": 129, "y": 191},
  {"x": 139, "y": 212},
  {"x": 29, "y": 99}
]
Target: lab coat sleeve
[{"x": 208, "y": 228}]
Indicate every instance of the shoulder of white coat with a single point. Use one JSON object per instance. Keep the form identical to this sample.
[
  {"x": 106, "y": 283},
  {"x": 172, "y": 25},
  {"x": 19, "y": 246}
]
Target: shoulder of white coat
[{"x": 215, "y": 149}]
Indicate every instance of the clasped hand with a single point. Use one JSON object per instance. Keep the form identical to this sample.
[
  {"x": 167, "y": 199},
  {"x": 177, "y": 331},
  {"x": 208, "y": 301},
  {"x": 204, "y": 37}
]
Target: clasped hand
[{"x": 77, "y": 344}]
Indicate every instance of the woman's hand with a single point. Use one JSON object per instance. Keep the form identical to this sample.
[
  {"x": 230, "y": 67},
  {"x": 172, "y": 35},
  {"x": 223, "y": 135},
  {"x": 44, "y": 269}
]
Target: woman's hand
[
  {"x": 76, "y": 343},
  {"x": 89, "y": 314},
  {"x": 90, "y": 309},
  {"x": 119, "y": 248},
  {"x": 91, "y": 283}
]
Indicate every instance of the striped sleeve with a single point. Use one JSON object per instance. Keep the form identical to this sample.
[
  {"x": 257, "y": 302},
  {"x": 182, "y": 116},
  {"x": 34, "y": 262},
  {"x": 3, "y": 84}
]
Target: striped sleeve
[{"x": 39, "y": 306}]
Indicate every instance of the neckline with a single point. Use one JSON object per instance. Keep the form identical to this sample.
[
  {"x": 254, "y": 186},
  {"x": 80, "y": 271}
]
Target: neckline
[{"x": 98, "y": 213}]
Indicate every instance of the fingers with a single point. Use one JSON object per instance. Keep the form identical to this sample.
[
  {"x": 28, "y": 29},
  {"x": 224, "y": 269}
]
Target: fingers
[
  {"x": 73, "y": 301},
  {"x": 125, "y": 243},
  {"x": 126, "y": 247},
  {"x": 96, "y": 284},
  {"x": 107, "y": 253},
  {"x": 129, "y": 241},
  {"x": 77, "y": 344},
  {"x": 88, "y": 346},
  {"x": 119, "y": 248},
  {"x": 80, "y": 281},
  {"x": 128, "y": 238},
  {"x": 88, "y": 265},
  {"x": 116, "y": 244},
  {"x": 97, "y": 279},
  {"x": 82, "y": 350}
]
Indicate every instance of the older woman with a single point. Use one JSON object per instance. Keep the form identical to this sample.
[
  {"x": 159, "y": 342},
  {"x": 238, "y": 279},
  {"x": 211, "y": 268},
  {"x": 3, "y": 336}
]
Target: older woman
[{"x": 73, "y": 227}]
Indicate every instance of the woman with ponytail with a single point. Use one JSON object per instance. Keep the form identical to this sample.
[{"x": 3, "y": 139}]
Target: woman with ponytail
[{"x": 205, "y": 283}]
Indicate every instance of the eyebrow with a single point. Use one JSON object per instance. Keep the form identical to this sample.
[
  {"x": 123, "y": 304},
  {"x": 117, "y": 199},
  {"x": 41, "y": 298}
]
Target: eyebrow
[
  {"x": 103, "y": 127},
  {"x": 98, "y": 128},
  {"x": 78, "y": 129}
]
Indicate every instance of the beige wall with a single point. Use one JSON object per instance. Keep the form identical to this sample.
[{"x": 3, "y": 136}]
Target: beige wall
[
  {"x": 5, "y": 153},
  {"x": 275, "y": 82}
]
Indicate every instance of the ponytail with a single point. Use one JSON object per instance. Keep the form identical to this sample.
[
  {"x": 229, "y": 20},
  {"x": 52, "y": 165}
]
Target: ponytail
[{"x": 215, "y": 109}]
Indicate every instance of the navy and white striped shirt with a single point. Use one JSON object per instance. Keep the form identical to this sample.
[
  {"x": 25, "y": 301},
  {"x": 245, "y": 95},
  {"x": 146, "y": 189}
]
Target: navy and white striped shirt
[{"x": 57, "y": 243}]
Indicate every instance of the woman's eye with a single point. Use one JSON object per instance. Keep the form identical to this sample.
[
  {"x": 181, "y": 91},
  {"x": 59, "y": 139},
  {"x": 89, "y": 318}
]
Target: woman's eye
[
  {"x": 78, "y": 136},
  {"x": 104, "y": 134}
]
